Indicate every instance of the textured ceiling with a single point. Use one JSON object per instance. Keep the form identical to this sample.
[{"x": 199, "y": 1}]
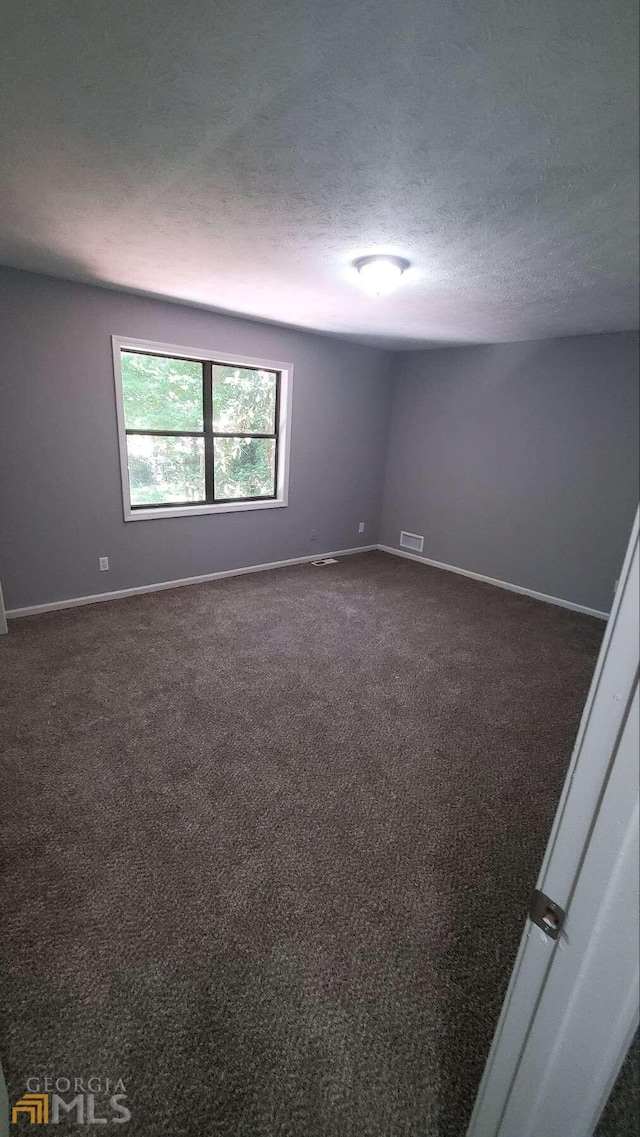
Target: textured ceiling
[{"x": 240, "y": 154}]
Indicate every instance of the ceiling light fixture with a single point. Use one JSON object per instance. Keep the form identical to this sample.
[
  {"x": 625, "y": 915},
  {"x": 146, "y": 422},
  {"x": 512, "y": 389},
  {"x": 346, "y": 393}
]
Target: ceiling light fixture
[{"x": 381, "y": 273}]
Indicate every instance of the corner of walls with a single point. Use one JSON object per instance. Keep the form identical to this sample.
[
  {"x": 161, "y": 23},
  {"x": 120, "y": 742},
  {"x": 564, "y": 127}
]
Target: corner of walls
[
  {"x": 519, "y": 462},
  {"x": 393, "y": 365},
  {"x": 397, "y": 366}
]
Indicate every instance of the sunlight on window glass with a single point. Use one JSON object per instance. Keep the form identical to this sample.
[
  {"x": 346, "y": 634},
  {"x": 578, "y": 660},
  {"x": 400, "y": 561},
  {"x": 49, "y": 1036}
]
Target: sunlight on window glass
[
  {"x": 244, "y": 400},
  {"x": 161, "y": 393},
  {"x": 165, "y": 470},
  {"x": 244, "y": 467}
]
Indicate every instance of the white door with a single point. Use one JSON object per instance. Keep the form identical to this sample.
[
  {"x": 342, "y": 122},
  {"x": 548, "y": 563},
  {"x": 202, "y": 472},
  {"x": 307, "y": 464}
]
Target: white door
[{"x": 571, "y": 1009}]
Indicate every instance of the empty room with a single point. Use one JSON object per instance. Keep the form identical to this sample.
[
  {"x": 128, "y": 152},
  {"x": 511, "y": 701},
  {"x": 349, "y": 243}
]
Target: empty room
[{"x": 318, "y": 567}]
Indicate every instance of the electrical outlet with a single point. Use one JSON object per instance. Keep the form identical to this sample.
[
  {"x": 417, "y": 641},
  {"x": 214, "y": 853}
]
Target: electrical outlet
[
  {"x": 615, "y": 587},
  {"x": 361, "y": 527},
  {"x": 314, "y": 534},
  {"x": 104, "y": 564}
]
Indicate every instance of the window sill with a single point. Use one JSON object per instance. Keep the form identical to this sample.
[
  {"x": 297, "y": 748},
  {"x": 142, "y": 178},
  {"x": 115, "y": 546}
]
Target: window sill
[{"x": 198, "y": 510}]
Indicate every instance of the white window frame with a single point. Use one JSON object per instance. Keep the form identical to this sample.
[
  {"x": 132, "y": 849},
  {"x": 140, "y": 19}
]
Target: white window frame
[{"x": 127, "y": 343}]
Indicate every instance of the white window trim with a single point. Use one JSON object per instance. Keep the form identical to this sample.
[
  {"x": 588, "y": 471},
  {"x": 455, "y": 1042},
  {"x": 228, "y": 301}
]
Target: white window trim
[{"x": 120, "y": 343}]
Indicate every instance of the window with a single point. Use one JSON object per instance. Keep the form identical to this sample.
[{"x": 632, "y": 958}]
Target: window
[{"x": 199, "y": 433}]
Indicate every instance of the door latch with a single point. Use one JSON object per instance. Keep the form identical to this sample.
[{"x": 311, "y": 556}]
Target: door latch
[{"x": 546, "y": 914}]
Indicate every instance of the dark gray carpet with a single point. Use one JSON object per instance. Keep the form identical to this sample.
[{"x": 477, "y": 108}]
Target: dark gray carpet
[
  {"x": 269, "y": 842},
  {"x": 621, "y": 1115}
]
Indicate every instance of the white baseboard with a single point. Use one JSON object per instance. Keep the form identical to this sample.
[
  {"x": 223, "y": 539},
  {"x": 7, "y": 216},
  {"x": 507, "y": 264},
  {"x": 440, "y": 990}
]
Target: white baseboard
[
  {"x": 491, "y": 580},
  {"x": 120, "y": 594}
]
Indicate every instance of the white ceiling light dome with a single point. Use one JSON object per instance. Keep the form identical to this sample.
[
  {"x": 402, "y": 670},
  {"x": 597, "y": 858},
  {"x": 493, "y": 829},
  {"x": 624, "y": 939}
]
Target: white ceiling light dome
[{"x": 380, "y": 272}]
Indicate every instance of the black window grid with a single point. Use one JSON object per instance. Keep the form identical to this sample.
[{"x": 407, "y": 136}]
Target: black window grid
[{"x": 209, "y": 434}]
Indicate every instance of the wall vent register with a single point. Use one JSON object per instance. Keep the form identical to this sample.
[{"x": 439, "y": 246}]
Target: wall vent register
[{"x": 411, "y": 541}]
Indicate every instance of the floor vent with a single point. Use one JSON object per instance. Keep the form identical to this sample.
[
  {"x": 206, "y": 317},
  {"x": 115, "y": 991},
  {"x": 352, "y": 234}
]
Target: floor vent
[
  {"x": 411, "y": 541},
  {"x": 325, "y": 561}
]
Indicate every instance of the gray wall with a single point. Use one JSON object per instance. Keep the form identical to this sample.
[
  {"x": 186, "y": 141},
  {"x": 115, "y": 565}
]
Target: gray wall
[
  {"x": 519, "y": 461},
  {"x": 60, "y": 495},
  {"x": 516, "y": 461}
]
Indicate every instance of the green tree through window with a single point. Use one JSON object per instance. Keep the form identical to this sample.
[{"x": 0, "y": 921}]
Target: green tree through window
[{"x": 197, "y": 431}]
